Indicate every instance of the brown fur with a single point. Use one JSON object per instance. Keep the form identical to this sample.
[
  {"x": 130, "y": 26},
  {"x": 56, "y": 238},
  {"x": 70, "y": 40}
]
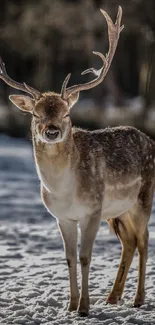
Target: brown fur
[{"x": 115, "y": 225}]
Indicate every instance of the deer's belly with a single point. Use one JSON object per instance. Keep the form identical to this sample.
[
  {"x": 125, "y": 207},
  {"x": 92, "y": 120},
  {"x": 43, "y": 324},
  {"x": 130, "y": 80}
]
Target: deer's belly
[{"x": 120, "y": 198}]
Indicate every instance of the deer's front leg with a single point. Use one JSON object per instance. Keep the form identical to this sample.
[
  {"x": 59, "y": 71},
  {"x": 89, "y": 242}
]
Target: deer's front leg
[
  {"x": 89, "y": 227},
  {"x": 69, "y": 234}
]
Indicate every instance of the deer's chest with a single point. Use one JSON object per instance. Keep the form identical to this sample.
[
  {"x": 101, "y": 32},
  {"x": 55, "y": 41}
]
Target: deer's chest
[
  {"x": 65, "y": 205},
  {"x": 59, "y": 195}
]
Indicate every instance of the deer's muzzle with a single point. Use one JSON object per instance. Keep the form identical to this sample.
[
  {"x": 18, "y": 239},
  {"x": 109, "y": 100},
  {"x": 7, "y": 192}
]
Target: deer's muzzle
[{"x": 52, "y": 133}]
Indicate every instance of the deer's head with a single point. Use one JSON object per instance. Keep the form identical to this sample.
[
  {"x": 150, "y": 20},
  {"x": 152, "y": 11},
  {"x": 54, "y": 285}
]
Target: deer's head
[{"x": 51, "y": 111}]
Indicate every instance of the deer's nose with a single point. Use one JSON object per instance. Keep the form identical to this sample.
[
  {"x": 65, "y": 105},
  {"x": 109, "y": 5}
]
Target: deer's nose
[{"x": 52, "y": 132}]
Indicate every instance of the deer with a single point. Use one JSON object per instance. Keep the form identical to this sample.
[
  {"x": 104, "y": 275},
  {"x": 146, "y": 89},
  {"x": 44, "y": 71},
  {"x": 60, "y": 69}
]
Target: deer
[{"x": 88, "y": 176}]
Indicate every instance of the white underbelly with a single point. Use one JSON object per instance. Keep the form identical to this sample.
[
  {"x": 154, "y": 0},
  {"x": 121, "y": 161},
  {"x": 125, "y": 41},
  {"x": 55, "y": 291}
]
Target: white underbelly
[
  {"x": 115, "y": 208},
  {"x": 120, "y": 199}
]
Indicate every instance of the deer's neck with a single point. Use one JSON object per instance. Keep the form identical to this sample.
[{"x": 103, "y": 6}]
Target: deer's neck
[{"x": 54, "y": 161}]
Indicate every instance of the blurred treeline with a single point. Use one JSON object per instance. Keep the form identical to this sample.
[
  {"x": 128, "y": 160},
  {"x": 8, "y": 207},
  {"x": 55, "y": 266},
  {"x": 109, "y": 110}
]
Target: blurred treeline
[{"x": 42, "y": 41}]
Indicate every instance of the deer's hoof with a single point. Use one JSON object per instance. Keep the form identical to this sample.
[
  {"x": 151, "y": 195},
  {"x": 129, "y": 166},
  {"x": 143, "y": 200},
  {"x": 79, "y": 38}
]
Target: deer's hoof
[
  {"x": 139, "y": 300},
  {"x": 73, "y": 305},
  {"x": 83, "y": 313},
  {"x": 72, "y": 308},
  {"x": 138, "y": 303},
  {"x": 113, "y": 300},
  {"x": 83, "y": 309}
]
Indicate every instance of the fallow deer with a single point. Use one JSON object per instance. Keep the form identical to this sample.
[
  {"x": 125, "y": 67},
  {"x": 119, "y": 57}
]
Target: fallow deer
[{"x": 87, "y": 176}]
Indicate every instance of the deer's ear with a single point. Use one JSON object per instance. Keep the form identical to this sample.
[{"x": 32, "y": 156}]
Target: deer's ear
[
  {"x": 25, "y": 103},
  {"x": 73, "y": 99}
]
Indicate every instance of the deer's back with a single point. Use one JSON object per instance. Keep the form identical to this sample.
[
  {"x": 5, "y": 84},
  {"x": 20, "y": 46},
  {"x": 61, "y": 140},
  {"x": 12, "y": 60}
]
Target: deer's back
[{"x": 123, "y": 149}]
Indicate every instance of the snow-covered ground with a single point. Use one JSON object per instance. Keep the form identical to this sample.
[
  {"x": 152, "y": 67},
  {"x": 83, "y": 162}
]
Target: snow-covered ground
[{"x": 34, "y": 285}]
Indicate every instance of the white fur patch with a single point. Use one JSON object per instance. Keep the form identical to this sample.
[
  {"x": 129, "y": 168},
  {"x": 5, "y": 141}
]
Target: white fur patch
[{"x": 116, "y": 201}]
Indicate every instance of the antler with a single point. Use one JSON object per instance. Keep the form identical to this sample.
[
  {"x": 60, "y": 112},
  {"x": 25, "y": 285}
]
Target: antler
[
  {"x": 114, "y": 31},
  {"x": 14, "y": 84}
]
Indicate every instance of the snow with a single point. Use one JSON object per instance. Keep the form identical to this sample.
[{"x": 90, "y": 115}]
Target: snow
[{"x": 34, "y": 284}]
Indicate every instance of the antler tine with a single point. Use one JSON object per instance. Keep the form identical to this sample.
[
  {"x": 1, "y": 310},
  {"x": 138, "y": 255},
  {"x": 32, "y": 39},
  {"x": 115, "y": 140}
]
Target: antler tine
[
  {"x": 93, "y": 70},
  {"x": 34, "y": 92},
  {"x": 114, "y": 31},
  {"x": 64, "y": 86},
  {"x": 14, "y": 84}
]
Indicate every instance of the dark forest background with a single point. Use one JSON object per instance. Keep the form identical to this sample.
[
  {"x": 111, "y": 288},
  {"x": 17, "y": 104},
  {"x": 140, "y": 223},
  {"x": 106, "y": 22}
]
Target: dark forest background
[{"x": 42, "y": 41}]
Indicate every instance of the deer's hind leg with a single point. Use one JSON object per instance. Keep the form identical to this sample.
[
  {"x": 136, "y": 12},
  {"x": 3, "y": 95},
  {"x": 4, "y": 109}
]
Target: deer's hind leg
[
  {"x": 133, "y": 232},
  {"x": 124, "y": 231},
  {"x": 140, "y": 214},
  {"x": 142, "y": 243}
]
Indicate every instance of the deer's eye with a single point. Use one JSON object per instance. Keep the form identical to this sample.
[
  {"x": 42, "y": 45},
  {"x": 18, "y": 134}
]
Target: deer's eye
[{"x": 67, "y": 115}]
